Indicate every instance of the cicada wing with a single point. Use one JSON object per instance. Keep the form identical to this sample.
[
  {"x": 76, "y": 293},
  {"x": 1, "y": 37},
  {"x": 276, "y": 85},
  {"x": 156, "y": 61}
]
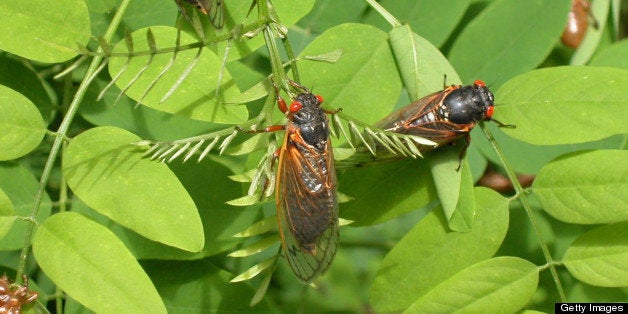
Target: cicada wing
[
  {"x": 441, "y": 132},
  {"x": 414, "y": 111},
  {"x": 307, "y": 208},
  {"x": 216, "y": 13}
]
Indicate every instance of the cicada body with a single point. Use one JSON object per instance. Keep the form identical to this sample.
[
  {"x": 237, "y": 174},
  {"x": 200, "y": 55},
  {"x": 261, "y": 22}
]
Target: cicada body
[
  {"x": 307, "y": 209},
  {"x": 443, "y": 116},
  {"x": 577, "y": 23},
  {"x": 214, "y": 9}
]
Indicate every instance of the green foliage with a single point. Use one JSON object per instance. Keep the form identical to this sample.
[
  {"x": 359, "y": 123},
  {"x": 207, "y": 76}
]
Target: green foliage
[{"x": 131, "y": 119}]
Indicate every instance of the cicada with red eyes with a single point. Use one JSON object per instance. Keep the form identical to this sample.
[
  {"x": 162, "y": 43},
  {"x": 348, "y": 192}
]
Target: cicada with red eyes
[
  {"x": 307, "y": 208},
  {"x": 444, "y": 116},
  {"x": 212, "y": 8}
]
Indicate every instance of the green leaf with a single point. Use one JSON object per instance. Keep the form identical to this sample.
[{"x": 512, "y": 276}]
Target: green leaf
[
  {"x": 256, "y": 247},
  {"x": 207, "y": 183},
  {"x": 432, "y": 20},
  {"x": 32, "y": 30},
  {"x": 6, "y": 207},
  {"x": 237, "y": 12},
  {"x": 501, "y": 42},
  {"x": 7, "y": 214},
  {"x": 447, "y": 177},
  {"x": 591, "y": 40},
  {"x": 97, "y": 260},
  {"x": 612, "y": 56},
  {"x": 255, "y": 270},
  {"x": 430, "y": 254},
  {"x": 386, "y": 191},
  {"x": 20, "y": 186},
  {"x": 422, "y": 66},
  {"x": 348, "y": 84},
  {"x": 144, "y": 121},
  {"x": 498, "y": 285},
  {"x": 196, "y": 97},
  {"x": 464, "y": 213},
  {"x": 21, "y": 123},
  {"x": 600, "y": 256},
  {"x": 201, "y": 287},
  {"x": 563, "y": 105},
  {"x": 573, "y": 191},
  {"x": 260, "y": 227},
  {"x": 105, "y": 171},
  {"x": 23, "y": 79}
]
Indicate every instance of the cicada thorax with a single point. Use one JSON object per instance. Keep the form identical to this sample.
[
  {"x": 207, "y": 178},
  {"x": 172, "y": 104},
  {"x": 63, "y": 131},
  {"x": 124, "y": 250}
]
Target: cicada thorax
[
  {"x": 307, "y": 208},
  {"x": 443, "y": 116}
]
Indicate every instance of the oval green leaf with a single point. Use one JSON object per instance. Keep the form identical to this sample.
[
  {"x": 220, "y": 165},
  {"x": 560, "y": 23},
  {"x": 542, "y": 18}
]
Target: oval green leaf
[
  {"x": 7, "y": 214},
  {"x": 109, "y": 174},
  {"x": 24, "y": 79},
  {"x": 498, "y": 285},
  {"x": 97, "y": 260},
  {"x": 420, "y": 15},
  {"x": 34, "y": 30},
  {"x": 196, "y": 97},
  {"x": 421, "y": 65},
  {"x": 600, "y": 256},
  {"x": 573, "y": 191},
  {"x": 22, "y": 125},
  {"x": 202, "y": 287},
  {"x": 364, "y": 82},
  {"x": 386, "y": 191},
  {"x": 20, "y": 185},
  {"x": 430, "y": 254},
  {"x": 565, "y": 105},
  {"x": 593, "y": 36},
  {"x": 612, "y": 56},
  {"x": 501, "y": 42}
]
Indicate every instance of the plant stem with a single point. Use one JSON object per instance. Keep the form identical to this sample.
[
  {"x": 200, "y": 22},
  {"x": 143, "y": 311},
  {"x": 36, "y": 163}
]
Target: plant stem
[
  {"x": 551, "y": 264},
  {"x": 385, "y": 14},
  {"x": 91, "y": 73},
  {"x": 293, "y": 61}
]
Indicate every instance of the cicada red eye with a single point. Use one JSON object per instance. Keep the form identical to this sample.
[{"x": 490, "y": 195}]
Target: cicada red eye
[
  {"x": 489, "y": 111},
  {"x": 295, "y": 106},
  {"x": 479, "y": 83},
  {"x": 319, "y": 98}
]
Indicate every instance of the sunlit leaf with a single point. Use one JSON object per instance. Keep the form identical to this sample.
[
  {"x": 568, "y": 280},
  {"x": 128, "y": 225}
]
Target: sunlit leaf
[
  {"x": 97, "y": 259},
  {"x": 107, "y": 173},
  {"x": 600, "y": 256}
]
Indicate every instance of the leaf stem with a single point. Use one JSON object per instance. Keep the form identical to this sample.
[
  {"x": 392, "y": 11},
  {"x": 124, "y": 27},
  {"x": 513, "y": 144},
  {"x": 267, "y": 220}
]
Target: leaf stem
[
  {"x": 91, "y": 73},
  {"x": 551, "y": 264},
  {"x": 385, "y": 14}
]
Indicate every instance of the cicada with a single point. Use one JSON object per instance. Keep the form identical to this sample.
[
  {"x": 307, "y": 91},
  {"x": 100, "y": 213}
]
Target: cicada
[
  {"x": 305, "y": 188},
  {"x": 12, "y": 300},
  {"x": 444, "y": 116},
  {"x": 212, "y": 8},
  {"x": 578, "y": 23}
]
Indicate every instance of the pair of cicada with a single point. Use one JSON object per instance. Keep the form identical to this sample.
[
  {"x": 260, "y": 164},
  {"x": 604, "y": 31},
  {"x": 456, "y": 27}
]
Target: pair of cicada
[{"x": 307, "y": 208}]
